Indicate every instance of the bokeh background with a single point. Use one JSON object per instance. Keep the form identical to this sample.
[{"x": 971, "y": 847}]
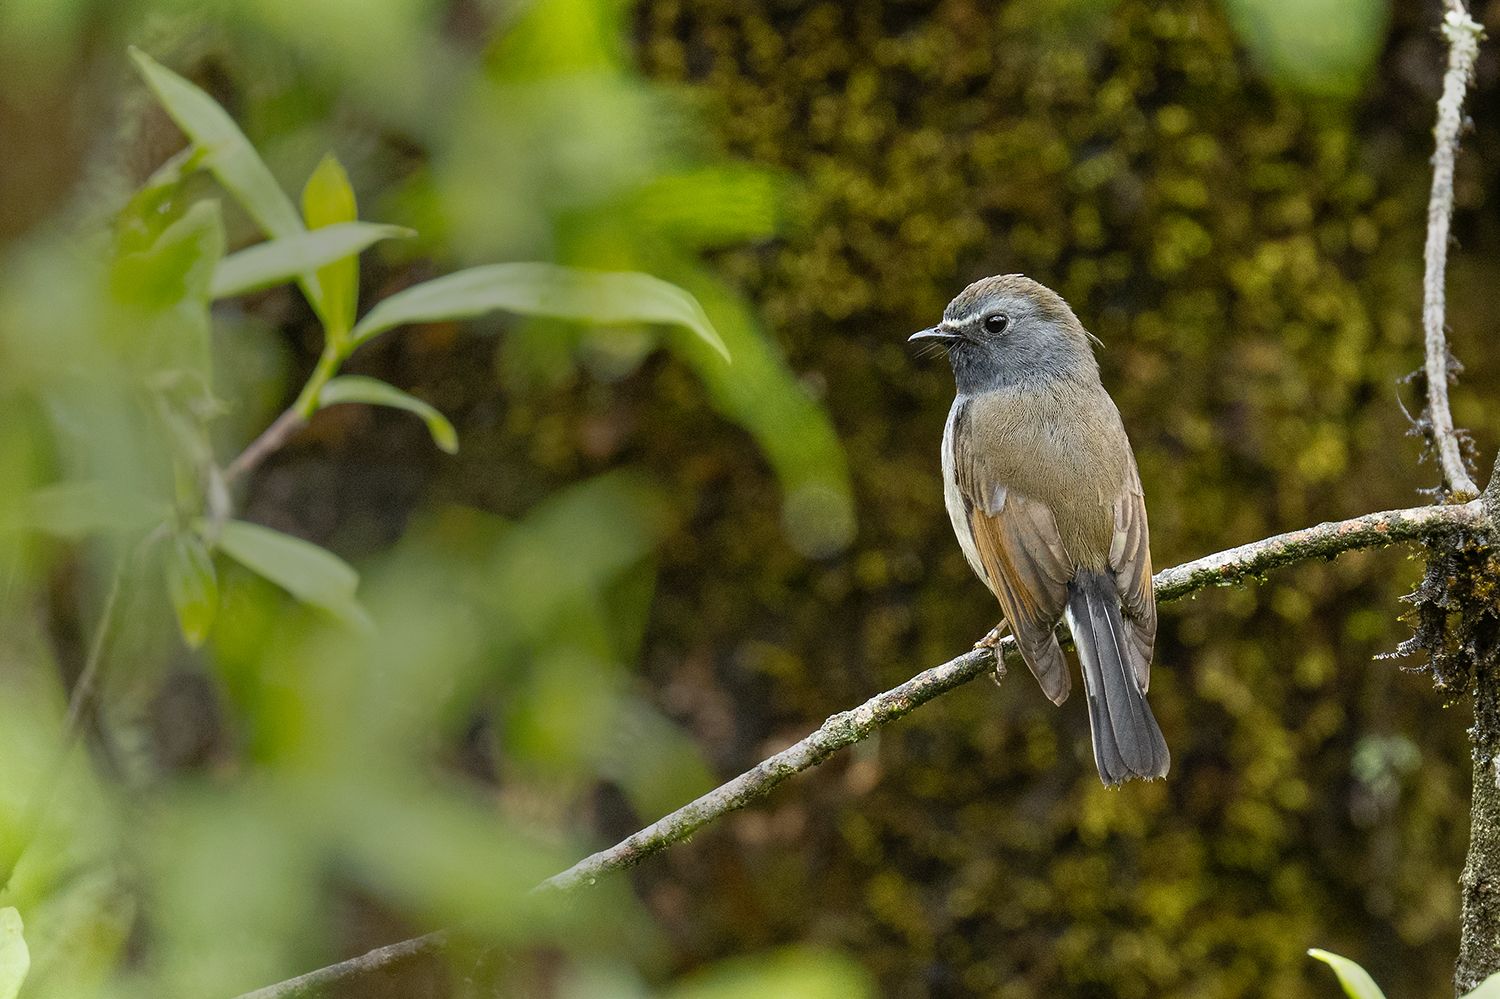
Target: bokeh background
[{"x": 645, "y": 570}]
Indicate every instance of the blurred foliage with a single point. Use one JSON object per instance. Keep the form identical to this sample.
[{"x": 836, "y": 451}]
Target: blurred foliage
[{"x": 610, "y": 596}]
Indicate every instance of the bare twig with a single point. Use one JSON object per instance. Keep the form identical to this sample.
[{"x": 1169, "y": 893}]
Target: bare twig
[
  {"x": 382, "y": 957},
  {"x": 78, "y": 702},
  {"x": 270, "y": 441},
  {"x": 1224, "y": 568},
  {"x": 1463, "y": 35}
]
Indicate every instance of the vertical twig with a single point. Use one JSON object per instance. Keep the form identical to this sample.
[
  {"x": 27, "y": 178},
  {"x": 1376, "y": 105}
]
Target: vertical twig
[
  {"x": 1463, "y": 35},
  {"x": 78, "y": 702}
]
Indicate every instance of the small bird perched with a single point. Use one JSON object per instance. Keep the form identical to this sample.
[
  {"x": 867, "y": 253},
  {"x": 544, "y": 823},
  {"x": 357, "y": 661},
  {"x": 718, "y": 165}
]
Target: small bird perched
[{"x": 1041, "y": 485}]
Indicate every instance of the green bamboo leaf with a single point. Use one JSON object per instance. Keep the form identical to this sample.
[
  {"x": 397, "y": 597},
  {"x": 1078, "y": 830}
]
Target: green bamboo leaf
[
  {"x": 15, "y": 957},
  {"x": 228, "y": 153},
  {"x": 193, "y": 587},
  {"x": 1356, "y": 981},
  {"x": 312, "y": 574},
  {"x": 75, "y": 509},
  {"x": 327, "y": 200},
  {"x": 606, "y": 297},
  {"x": 287, "y": 258},
  {"x": 354, "y": 388}
]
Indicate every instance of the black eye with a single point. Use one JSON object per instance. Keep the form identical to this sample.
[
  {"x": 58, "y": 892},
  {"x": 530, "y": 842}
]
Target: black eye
[{"x": 994, "y": 324}]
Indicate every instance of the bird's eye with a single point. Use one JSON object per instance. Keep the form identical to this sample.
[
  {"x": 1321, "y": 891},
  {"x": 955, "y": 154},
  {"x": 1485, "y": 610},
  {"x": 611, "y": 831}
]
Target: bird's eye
[{"x": 995, "y": 323}]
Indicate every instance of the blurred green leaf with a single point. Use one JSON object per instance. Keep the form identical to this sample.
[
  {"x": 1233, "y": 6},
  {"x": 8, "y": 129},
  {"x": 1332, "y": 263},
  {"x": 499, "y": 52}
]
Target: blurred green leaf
[
  {"x": 606, "y": 297},
  {"x": 229, "y": 154},
  {"x": 312, "y": 574},
  {"x": 710, "y": 206},
  {"x": 354, "y": 388},
  {"x": 792, "y": 973},
  {"x": 1356, "y": 981},
  {"x": 327, "y": 200},
  {"x": 151, "y": 208},
  {"x": 764, "y": 396},
  {"x": 1319, "y": 46},
  {"x": 15, "y": 958},
  {"x": 178, "y": 266},
  {"x": 285, "y": 259},
  {"x": 193, "y": 587},
  {"x": 74, "y": 509}
]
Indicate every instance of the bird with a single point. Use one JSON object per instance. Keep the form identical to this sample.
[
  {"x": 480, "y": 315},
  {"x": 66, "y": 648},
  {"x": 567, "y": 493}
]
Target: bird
[{"x": 1041, "y": 485}]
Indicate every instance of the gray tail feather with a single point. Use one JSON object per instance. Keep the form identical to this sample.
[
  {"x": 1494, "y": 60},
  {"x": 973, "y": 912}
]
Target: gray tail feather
[{"x": 1128, "y": 744}]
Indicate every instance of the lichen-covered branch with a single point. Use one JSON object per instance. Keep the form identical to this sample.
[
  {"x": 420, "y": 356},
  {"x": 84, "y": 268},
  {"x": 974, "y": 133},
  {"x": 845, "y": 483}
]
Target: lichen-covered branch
[
  {"x": 1224, "y": 568},
  {"x": 848, "y": 727},
  {"x": 1463, "y": 35}
]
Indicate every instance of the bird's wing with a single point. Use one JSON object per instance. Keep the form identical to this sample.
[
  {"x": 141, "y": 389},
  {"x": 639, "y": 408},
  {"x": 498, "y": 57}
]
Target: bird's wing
[
  {"x": 1130, "y": 561},
  {"x": 1024, "y": 563}
]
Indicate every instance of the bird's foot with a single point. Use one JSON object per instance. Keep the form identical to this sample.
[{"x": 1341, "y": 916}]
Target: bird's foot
[{"x": 992, "y": 640}]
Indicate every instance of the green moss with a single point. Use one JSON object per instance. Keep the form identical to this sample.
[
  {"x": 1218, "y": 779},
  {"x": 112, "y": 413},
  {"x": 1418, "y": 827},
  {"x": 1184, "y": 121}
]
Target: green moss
[{"x": 1251, "y": 258}]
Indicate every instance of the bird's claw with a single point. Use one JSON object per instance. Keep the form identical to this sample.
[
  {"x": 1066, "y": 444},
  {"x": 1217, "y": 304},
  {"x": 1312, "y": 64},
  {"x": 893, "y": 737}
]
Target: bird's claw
[{"x": 991, "y": 640}]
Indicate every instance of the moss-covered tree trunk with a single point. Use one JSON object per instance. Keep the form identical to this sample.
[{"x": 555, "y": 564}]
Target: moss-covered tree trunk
[
  {"x": 1478, "y": 636},
  {"x": 1479, "y": 948}
]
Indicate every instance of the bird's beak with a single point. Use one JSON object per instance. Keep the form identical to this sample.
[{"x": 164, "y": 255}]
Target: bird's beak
[{"x": 941, "y": 334}]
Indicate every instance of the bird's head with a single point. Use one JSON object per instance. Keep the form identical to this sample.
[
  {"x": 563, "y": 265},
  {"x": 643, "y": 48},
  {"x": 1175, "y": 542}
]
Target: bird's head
[{"x": 1008, "y": 329}]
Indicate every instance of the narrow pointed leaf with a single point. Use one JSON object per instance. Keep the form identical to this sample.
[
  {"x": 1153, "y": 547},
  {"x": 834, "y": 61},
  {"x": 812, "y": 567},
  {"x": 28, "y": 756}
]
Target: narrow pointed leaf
[
  {"x": 193, "y": 587},
  {"x": 312, "y": 574},
  {"x": 228, "y": 153},
  {"x": 286, "y": 259},
  {"x": 354, "y": 388},
  {"x": 1356, "y": 981},
  {"x": 229, "y": 156},
  {"x": 328, "y": 199},
  {"x": 605, "y": 297},
  {"x": 15, "y": 957}
]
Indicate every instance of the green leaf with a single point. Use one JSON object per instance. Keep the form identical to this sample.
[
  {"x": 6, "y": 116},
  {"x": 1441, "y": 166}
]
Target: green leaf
[
  {"x": 790, "y": 973},
  {"x": 328, "y": 199},
  {"x": 1488, "y": 989},
  {"x": 15, "y": 957},
  {"x": 228, "y": 153},
  {"x": 606, "y": 297},
  {"x": 289, "y": 257},
  {"x": 311, "y": 574},
  {"x": 178, "y": 266},
  {"x": 167, "y": 284},
  {"x": 74, "y": 509},
  {"x": 1356, "y": 981},
  {"x": 353, "y": 388},
  {"x": 154, "y": 206},
  {"x": 193, "y": 586},
  {"x": 710, "y": 206}
]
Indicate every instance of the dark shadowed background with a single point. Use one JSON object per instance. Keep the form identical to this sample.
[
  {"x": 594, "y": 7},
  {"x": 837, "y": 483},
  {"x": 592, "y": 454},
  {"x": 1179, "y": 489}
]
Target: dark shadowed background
[{"x": 645, "y": 570}]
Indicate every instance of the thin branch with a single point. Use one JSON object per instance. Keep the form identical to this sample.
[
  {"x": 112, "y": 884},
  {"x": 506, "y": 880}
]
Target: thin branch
[
  {"x": 382, "y": 957},
  {"x": 1225, "y": 568},
  {"x": 79, "y": 701},
  {"x": 270, "y": 441},
  {"x": 1463, "y": 35}
]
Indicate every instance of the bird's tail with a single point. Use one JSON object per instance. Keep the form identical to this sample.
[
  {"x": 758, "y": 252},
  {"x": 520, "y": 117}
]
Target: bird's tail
[{"x": 1128, "y": 744}]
